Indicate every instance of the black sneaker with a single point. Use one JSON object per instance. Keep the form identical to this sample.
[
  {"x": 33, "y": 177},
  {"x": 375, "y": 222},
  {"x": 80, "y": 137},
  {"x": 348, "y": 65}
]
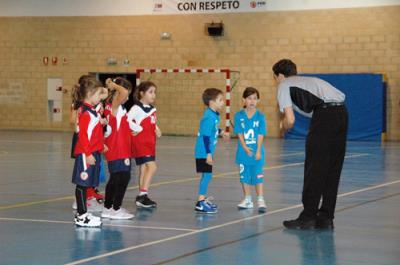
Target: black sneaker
[
  {"x": 324, "y": 223},
  {"x": 145, "y": 202},
  {"x": 299, "y": 224}
]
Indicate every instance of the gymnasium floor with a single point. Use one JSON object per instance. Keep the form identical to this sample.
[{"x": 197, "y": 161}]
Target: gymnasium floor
[{"x": 36, "y": 216}]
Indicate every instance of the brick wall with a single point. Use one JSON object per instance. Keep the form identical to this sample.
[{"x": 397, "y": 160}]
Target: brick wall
[{"x": 323, "y": 41}]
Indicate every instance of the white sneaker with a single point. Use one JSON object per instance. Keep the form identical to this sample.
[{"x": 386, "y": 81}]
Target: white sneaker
[
  {"x": 246, "y": 204},
  {"x": 262, "y": 207},
  {"x": 87, "y": 220},
  {"x": 120, "y": 214},
  {"x": 94, "y": 205},
  {"x": 91, "y": 216},
  {"x": 106, "y": 212}
]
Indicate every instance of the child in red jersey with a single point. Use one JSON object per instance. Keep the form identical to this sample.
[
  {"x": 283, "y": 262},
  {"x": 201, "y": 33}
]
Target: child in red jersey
[
  {"x": 87, "y": 150},
  {"x": 94, "y": 199},
  {"x": 144, "y": 144},
  {"x": 119, "y": 151}
]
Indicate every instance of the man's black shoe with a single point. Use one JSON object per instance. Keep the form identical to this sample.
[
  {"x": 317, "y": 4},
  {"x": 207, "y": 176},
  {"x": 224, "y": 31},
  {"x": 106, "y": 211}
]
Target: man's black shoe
[
  {"x": 299, "y": 224},
  {"x": 325, "y": 223}
]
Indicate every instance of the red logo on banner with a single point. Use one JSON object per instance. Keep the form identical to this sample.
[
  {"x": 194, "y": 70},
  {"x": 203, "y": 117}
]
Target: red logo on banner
[{"x": 253, "y": 4}]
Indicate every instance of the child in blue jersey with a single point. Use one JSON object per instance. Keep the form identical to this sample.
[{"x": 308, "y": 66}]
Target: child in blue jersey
[
  {"x": 205, "y": 146},
  {"x": 250, "y": 128}
]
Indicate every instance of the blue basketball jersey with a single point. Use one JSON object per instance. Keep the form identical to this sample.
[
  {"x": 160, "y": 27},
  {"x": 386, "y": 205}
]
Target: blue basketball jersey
[
  {"x": 209, "y": 126},
  {"x": 250, "y": 129}
]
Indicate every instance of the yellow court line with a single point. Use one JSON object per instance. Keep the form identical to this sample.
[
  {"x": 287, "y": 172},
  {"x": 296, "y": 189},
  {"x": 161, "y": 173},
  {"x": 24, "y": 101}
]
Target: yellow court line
[{"x": 221, "y": 175}]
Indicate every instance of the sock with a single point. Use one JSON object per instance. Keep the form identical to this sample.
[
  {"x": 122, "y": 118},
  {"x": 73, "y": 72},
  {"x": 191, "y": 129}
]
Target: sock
[
  {"x": 248, "y": 198},
  {"x": 260, "y": 198},
  {"x": 143, "y": 192},
  {"x": 203, "y": 185}
]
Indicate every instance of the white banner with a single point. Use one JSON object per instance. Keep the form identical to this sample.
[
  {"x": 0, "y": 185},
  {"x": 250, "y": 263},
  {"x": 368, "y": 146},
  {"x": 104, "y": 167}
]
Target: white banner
[{"x": 207, "y": 6}]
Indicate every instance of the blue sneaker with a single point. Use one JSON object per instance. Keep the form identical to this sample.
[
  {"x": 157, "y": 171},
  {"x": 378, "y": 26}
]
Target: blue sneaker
[
  {"x": 209, "y": 201},
  {"x": 204, "y": 207}
]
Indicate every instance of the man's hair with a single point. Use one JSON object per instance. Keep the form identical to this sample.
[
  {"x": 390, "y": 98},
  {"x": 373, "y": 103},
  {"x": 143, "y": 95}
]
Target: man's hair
[
  {"x": 210, "y": 94},
  {"x": 285, "y": 67}
]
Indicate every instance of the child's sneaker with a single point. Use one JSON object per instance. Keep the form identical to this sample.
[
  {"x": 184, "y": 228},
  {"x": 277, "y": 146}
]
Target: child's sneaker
[
  {"x": 99, "y": 197},
  {"x": 209, "y": 201},
  {"x": 245, "y": 204},
  {"x": 262, "y": 207},
  {"x": 87, "y": 220},
  {"x": 204, "y": 207},
  {"x": 106, "y": 212},
  {"x": 145, "y": 202},
  {"x": 120, "y": 214}
]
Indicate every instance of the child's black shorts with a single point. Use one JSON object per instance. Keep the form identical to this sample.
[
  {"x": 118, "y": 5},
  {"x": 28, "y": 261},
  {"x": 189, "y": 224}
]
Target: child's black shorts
[{"x": 202, "y": 166}]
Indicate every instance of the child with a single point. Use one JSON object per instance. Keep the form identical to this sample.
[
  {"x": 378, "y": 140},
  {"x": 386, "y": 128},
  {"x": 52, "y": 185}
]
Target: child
[
  {"x": 87, "y": 150},
  {"x": 118, "y": 155},
  {"x": 144, "y": 144},
  {"x": 251, "y": 129},
  {"x": 94, "y": 198},
  {"x": 205, "y": 146}
]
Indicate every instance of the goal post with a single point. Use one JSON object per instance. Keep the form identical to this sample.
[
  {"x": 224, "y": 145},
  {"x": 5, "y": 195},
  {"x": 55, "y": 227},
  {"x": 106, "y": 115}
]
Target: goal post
[{"x": 226, "y": 72}]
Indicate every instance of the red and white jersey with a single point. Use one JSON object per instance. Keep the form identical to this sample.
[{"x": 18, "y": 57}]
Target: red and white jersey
[
  {"x": 90, "y": 131},
  {"x": 119, "y": 141},
  {"x": 144, "y": 144}
]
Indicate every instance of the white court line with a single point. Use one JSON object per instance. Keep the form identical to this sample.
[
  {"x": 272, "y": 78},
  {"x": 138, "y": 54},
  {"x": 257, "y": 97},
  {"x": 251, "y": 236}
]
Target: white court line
[
  {"x": 219, "y": 226},
  {"x": 112, "y": 225}
]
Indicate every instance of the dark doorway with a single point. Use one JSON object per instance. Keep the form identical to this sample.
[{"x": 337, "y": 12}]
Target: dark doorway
[{"x": 102, "y": 77}]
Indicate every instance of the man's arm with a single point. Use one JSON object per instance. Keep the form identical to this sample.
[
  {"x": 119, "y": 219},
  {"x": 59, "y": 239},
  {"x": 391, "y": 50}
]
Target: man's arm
[{"x": 288, "y": 119}]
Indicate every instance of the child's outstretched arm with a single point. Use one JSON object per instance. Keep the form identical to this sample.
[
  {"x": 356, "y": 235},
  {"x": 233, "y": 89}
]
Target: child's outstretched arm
[{"x": 132, "y": 116}]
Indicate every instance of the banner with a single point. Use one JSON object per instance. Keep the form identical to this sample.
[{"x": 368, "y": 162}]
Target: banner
[{"x": 207, "y": 6}]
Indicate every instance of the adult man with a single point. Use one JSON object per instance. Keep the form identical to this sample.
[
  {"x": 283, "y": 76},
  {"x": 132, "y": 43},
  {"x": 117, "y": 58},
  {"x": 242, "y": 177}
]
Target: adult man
[{"x": 325, "y": 143}]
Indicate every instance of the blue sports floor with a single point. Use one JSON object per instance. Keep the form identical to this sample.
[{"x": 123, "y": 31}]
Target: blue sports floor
[{"x": 36, "y": 216}]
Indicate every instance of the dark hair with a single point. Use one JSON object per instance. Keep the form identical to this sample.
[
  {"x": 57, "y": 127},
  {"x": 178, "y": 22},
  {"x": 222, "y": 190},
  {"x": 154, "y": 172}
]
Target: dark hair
[
  {"x": 87, "y": 84},
  {"x": 121, "y": 82},
  {"x": 76, "y": 101},
  {"x": 210, "y": 94},
  {"x": 250, "y": 91},
  {"x": 143, "y": 87},
  {"x": 285, "y": 67}
]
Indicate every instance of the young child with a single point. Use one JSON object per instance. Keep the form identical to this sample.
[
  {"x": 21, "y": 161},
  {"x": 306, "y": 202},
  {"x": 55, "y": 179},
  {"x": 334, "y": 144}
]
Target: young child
[
  {"x": 119, "y": 152},
  {"x": 143, "y": 115},
  {"x": 94, "y": 198},
  {"x": 87, "y": 150},
  {"x": 206, "y": 142},
  {"x": 250, "y": 128}
]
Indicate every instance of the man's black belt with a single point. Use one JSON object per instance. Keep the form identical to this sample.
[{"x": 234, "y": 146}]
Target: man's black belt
[{"x": 330, "y": 104}]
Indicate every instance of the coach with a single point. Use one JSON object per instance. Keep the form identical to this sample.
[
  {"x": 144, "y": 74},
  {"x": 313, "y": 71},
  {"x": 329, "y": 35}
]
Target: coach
[{"x": 325, "y": 144}]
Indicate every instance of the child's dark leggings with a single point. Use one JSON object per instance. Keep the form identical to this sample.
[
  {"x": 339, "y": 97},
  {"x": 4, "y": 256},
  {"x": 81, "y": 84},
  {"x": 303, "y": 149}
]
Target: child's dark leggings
[
  {"x": 116, "y": 188},
  {"x": 80, "y": 196}
]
